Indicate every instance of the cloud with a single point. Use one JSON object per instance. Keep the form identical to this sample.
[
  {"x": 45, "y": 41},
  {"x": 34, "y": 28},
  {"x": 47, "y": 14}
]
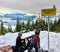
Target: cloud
[{"x": 32, "y": 6}]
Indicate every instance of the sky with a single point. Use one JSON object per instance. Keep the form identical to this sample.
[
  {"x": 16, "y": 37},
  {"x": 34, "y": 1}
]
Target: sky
[{"x": 30, "y": 6}]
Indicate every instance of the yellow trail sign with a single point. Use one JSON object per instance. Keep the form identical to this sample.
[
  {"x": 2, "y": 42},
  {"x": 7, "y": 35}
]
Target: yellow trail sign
[{"x": 48, "y": 12}]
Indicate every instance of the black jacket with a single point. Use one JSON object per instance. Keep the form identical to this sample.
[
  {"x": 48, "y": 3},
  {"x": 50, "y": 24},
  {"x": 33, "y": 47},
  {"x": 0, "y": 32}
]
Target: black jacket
[
  {"x": 27, "y": 46},
  {"x": 20, "y": 42}
]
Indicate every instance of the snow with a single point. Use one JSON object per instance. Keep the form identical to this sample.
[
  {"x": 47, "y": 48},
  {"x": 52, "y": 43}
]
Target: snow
[
  {"x": 10, "y": 38},
  {"x": 54, "y": 42},
  {"x": 2, "y": 40}
]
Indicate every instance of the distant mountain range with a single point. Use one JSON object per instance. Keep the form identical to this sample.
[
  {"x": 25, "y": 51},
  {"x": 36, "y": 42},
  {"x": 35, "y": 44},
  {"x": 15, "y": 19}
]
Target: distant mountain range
[{"x": 21, "y": 16}]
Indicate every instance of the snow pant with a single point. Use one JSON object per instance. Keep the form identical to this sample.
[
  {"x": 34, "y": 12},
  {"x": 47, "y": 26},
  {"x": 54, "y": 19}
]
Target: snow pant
[{"x": 31, "y": 46}]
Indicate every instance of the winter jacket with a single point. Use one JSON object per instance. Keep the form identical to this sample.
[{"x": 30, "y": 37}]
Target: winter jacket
[
  {"x": 20, "y": 42},
  {"x": 27, "y": 46},
  {"x": 35, "y": 39}
]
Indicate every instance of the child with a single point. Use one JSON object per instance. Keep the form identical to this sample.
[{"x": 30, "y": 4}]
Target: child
[
  {"x": 35, "y": 42},
  {"x": 27, "y": 43}
]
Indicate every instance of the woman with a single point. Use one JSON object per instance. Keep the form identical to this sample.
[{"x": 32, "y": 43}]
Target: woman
[{"x": 20, "y": 44}]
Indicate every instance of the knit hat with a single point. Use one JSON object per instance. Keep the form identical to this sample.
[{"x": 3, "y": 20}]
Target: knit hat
[{"x": 19, "y": 34}]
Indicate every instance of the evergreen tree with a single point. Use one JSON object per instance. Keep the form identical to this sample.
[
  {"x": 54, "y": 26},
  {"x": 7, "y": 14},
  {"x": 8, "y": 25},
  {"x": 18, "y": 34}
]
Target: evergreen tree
[
  {"x": 38, "y": 26},
  {"x": 46, "y": 26},
  {"x": 58, "y": 25},
  {"x": 32, "y": 26},
  {"x": 42, "y": 24},
  {"x": 20, "y": 27},
  {"x": 27, "y": 26},
  {"x": 23, "y": 26},
  {"x": 55, "y": 24},
  {"x": 59, "y": 20},
  {"x": 10, "y": 29},
  {"x": 5, "y": 30},
  {"x": 57, "y": 28},
  {"x": 51, "y": 25},
  {"x": 2, "y": 28},
  {"x": 17, "y": 25}
]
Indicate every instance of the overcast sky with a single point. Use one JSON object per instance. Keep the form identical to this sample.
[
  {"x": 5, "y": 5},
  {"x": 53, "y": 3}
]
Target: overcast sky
[{"x": 32, "y": 6}]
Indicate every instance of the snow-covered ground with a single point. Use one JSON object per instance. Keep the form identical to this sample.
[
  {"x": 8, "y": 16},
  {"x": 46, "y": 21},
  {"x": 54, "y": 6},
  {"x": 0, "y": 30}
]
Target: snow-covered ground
[{"x": 54, "y": 42}]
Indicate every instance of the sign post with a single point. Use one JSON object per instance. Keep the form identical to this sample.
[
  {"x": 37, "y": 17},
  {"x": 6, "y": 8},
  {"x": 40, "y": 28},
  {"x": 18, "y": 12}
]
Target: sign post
[
  {"x": 48, "y": 32},
  {"x": 48, "y": 12}
]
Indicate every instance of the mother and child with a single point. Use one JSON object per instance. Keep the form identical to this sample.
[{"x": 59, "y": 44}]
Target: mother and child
[{"x": 28, "y": 43}]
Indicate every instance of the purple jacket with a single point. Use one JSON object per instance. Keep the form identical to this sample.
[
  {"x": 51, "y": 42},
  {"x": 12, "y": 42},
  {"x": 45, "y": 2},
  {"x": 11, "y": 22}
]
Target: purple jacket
[{"x": 35, "y": 39}]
